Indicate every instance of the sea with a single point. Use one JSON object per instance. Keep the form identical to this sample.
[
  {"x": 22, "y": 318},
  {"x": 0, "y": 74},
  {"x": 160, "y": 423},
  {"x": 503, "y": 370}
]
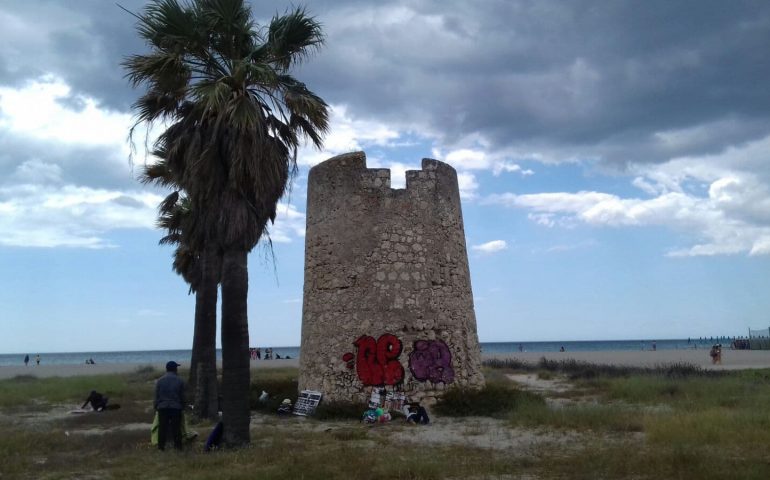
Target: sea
[{"x": 155, "y": 357}]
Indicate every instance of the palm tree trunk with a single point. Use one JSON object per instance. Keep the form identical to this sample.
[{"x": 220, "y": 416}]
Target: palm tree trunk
[
  {"x": 235, "y": 348},
  {"x": 203, "y": 366}
]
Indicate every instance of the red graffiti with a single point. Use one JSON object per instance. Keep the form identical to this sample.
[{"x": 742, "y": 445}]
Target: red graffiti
[
  {"x": 377, "y": 360},
  {"x": 348, "y": 359}
]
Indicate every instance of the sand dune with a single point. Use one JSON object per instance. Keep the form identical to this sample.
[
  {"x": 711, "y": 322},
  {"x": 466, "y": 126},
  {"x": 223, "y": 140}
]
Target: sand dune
[{"x": 731, "y": 359}]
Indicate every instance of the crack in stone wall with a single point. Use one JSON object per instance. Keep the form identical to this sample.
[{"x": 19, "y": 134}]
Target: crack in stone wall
[{"x": 387, "y": 288}]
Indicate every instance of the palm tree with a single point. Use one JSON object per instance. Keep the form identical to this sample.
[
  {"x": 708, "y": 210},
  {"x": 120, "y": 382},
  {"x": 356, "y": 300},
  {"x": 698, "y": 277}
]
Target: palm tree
[
  {"x": 201, "y": 272},
  {"x": 238, "y": 119}
]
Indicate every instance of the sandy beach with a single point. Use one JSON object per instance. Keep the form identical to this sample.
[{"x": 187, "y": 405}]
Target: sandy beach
[{"x": 731, "y": 360}]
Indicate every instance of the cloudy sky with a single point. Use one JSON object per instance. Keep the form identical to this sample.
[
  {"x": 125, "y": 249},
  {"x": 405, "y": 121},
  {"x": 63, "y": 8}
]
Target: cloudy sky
[{"x": 613, "y": 157}]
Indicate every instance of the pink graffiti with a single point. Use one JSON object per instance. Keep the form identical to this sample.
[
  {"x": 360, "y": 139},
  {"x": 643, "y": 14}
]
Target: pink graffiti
[
  {"x": 431, "y": 361},
  {"x": 377, "y": 360}
]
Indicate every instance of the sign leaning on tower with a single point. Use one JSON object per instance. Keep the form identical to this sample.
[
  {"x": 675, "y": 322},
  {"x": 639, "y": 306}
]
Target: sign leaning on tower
[{"x": 387, "y": 295}]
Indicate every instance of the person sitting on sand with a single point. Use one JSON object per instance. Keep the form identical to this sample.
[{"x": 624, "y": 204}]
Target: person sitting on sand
[
  {"x": 416, "y": 413},
  {"x": 97, "y": 400}
]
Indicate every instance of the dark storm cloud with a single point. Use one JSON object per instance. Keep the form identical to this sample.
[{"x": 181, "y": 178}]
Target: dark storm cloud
[
  {"x": 33, "y": 161},
  {"x": 83, "y": 42},
  {"x": 577, "y": 78}
]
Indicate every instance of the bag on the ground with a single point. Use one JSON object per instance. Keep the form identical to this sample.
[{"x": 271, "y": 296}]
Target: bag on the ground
[
  {"x": 370, "y": 416},
  {"x": 187, "y": 434}
]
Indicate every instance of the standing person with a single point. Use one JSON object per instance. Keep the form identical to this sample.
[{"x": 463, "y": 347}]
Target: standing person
[
  {"x": 169, "y": 402},
  {"x": 26, "y": 360},
  {"x": 654, "y": 346},
  {"x": 259, "y": 353},
  {"x": 37, "y": 358}
]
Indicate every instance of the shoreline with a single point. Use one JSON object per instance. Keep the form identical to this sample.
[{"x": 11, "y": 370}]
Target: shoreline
[{"x": 731, "y": 360}]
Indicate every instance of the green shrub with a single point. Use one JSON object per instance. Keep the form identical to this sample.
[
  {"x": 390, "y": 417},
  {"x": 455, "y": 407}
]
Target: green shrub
[
  {"x": 340, "y": 411},
  {"x": 494, "y": 400}
]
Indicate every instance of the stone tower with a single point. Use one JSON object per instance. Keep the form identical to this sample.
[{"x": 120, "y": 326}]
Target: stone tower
[{"x": 387, "y": 295}]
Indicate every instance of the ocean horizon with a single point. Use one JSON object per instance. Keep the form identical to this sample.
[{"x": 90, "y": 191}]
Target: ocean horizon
[{"x": 183, "y": 355}]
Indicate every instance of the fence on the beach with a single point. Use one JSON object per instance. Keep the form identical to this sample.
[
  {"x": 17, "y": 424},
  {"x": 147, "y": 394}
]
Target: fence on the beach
[{"x": 759, "y": 339}]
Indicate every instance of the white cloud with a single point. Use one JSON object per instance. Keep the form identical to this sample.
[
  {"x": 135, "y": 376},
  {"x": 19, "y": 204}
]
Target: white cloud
[
  {"x": 37, "y": 171},
  {"x": 566, "y": 247},
  {"x": 36, "y": 111},
  {"x": 38, "y": 207},
  {"x": 646, "y": 186},
  {"x": 722, "y": 202},
  {"x": 510, "y": 167},
  {"x": 289, "y": 224},
  {"x": 493, "y": 246},
  {"x": 69, "y": 216},
  {"x": 468, "y": 185},
  {"x": 348, "y": 134},
  {"x": 467, "y": 159},
  {"x": 481, "y": 157}
]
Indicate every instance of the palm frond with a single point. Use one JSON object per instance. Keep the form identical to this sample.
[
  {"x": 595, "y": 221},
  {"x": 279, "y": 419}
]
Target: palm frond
[
  {"x": 292, "y": 37},
  {"x": 167, "y": 24},
  {"x": 236, "y": 115}
]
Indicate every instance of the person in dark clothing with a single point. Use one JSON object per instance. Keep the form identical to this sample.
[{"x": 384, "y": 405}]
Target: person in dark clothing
[
  {"x": 169, "y": 402},
  {"x": 416, "y": 413},
  {"x": 26, "y": 360},
  {"x": 215, "y": 438},
  {"x": 97, "y": 400}
]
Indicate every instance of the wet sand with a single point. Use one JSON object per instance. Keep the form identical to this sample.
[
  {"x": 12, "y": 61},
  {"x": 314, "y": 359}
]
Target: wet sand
[{"x": 731, "y": 360}]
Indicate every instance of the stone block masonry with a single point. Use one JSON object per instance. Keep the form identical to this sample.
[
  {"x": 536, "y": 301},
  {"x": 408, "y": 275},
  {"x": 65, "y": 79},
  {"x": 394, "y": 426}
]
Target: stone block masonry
[{"x": 387, "y": 295}]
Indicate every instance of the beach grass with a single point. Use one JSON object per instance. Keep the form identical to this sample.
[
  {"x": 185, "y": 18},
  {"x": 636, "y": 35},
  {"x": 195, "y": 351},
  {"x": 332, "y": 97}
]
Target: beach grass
[
  {"x": 496, "y": 399},
  {"x": 34, "y": 393},
  {"x": 609, "y": 424}
]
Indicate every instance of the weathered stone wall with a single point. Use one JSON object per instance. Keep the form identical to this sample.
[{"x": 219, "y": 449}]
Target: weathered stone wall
[{"x": 387, "y": 295}]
